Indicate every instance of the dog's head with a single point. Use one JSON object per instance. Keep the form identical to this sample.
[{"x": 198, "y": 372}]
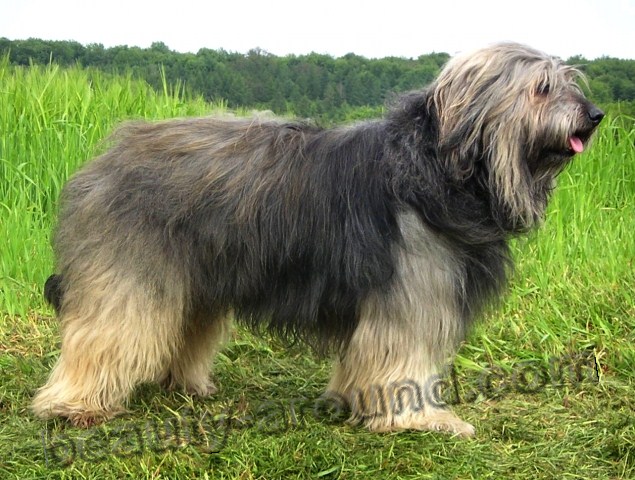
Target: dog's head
[{"x": 515, "y": 116}]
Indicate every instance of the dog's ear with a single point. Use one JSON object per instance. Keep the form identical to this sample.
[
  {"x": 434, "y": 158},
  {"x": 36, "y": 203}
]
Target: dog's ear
[
  {"x": 460, "y": 127},
  {"x": 460, "y": 147}
]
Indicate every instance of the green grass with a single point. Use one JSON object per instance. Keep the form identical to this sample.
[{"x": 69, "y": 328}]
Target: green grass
[{"x": 573, "y": 293}]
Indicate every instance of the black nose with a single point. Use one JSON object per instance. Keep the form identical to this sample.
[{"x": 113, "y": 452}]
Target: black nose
[{"x": 595, "y": 114}]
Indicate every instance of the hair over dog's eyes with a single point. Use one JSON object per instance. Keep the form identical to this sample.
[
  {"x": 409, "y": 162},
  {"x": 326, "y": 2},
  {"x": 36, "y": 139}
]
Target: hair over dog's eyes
[{"x": 543, "y": 88}]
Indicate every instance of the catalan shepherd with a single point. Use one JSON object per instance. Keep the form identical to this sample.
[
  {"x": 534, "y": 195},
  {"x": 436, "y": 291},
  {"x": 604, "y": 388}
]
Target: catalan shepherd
[{"x": 378, "y": 243}]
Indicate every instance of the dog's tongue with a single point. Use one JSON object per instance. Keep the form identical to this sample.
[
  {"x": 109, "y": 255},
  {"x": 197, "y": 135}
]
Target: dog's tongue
[{"x": 576, "y": 144}]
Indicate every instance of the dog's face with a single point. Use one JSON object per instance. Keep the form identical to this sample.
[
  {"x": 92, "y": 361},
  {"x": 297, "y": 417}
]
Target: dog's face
[
  {"x": 564, "y": 120},
  {"x": 517, "y": 116}
]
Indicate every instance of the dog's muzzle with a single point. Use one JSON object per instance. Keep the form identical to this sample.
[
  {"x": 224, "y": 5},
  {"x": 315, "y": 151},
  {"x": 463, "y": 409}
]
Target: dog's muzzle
[{"x": 593, "y": 118}]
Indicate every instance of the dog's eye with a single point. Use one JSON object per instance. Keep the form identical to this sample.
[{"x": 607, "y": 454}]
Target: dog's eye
[{"x": 543, "y": 89}]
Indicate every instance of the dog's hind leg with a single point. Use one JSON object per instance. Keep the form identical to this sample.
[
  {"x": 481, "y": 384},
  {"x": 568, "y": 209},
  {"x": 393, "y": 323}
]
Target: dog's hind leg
[
  {"x": 116, "y": 333},
  {"x": 190, "y": 367}
]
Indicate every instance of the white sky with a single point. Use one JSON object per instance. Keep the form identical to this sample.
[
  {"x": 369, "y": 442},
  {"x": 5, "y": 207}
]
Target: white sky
[{"x": 366, "y": 27}]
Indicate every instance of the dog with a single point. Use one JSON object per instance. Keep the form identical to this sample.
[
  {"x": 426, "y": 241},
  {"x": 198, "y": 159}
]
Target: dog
[{"x": 377, "y": 243}]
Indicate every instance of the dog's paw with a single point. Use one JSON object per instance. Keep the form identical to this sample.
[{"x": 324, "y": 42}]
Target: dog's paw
[
  {"x": 90, "y": 419},
  {"x": 436, "y": 421},
  {"x": 205, "y": 390},
  {"x": 447, "y": 422}
]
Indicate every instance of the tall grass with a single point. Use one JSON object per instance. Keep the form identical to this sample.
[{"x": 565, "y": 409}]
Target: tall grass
[{"x": 51, "y": 121}]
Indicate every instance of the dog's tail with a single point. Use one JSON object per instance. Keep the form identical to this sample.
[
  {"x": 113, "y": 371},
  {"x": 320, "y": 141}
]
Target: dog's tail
[{"x": 53, "y": 291}]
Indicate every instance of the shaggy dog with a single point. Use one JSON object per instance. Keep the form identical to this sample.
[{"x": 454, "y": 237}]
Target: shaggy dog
[{"x": 379, "y": 242}]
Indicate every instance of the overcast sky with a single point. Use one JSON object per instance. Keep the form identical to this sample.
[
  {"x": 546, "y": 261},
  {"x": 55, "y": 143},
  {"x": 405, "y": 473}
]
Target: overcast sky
[{"x": 370, "y": 28}]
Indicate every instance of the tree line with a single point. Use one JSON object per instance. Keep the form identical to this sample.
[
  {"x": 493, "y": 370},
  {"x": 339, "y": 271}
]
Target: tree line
[{"x": 313, "y": 85}]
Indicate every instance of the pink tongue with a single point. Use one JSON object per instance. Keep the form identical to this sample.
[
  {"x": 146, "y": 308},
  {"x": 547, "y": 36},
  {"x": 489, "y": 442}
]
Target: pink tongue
[{"x": 576, "y": 144}]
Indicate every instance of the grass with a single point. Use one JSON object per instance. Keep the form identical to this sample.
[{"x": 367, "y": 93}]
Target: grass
[{"x": 571, "y": 302}]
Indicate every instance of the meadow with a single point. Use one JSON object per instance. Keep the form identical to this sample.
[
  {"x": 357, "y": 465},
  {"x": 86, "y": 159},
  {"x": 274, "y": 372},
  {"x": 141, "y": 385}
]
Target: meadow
[{"x": 547, "y": 378}]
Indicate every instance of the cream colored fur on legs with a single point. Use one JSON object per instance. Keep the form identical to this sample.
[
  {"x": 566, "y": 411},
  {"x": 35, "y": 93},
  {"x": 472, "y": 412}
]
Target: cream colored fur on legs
[
  {"x": 109, "y": 346},
  {"x": 190, "y": 367},
  {"x": 402, "y": 340}
]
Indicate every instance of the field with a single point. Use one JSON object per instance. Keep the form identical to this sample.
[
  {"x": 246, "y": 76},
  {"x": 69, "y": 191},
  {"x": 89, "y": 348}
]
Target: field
[{"x": 547, "y": 378}]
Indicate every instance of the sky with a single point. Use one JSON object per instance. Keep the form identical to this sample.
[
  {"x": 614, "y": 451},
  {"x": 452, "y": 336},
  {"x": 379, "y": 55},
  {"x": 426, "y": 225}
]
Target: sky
[{"x": 370, "y": 28}]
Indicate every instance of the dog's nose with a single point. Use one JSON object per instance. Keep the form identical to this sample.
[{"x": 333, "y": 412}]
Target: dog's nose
[{"x": 595, "y": 114}]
